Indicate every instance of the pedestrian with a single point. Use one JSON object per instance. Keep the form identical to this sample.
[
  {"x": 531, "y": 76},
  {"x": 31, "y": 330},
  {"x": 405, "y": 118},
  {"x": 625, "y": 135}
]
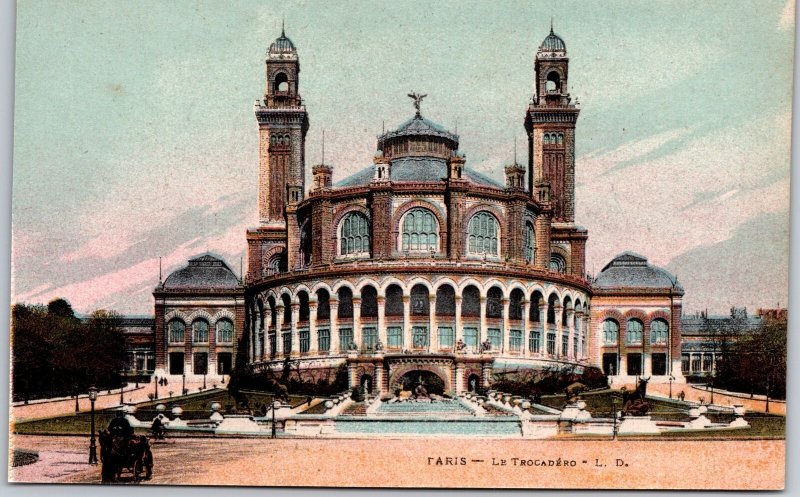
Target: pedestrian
[{"x": 682, "y": 395}]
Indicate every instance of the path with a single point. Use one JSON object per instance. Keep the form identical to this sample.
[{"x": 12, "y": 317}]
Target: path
[{"x": 695, "y": 392}]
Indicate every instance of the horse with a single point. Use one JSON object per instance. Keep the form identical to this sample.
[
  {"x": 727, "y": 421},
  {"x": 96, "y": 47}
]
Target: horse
[{"x": 119, "y": 453}]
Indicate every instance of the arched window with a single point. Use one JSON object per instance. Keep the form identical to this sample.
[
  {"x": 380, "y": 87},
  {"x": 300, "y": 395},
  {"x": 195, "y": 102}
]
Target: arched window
[
  {"x": 483, "y": 234},
  {"x": 354, "y": 234},
  {"x": 176, "y": 331},
  {"x": 633, "y": 334},
  {"x": 530, "y": 241},
  {"x": 659, "y": 330},
  {"x": 557, "y": 263},
  {"x": 200, "y": 331},
  {"x": 420, "y": 231},
  {"x": 560, "y": 138},
  {"x": 281, "y": 82},
  {"x": 224, "y": 331},
  {"x": 546, "y": 139},
  {"x": 275, "y": 265},
  {"x": 553, "y": 83},
  {"x": 610, "y": 332}
]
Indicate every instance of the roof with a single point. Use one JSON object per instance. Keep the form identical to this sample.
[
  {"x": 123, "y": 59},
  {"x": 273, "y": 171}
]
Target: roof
[
  {"x": 416, "y": 169},
  {"x": 419, "y": 125},
  {"x": 205, "y": 271},
  {"x": 282, "y": 45},
  {"x": 630, "y": 270},
  {"x": 553, "y": 43}
]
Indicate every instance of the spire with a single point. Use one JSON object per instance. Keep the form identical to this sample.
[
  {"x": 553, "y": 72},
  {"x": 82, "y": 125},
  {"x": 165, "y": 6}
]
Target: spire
[
  {"x": 283, "y": 27},
  {"x": 551, "y": 25},
  {"x": 323, "y": 146}
]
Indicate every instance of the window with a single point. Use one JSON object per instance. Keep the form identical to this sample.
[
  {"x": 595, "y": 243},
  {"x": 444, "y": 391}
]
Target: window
[
  {"x": 483, "y": 234},
  {"x": 695, "y": 365},
  {"x": 634, "y": 364},
  {"x": 224, "y": 331},
  {"x": 471, "y": 338},
  {"x": 495, "y": 336},
  {"x": 305, "y": 341},
  {"x": 354, "y": 234},
  {"x": 515, "y": 340},
  {"x": 610, "y": 364},
  {"x": 200, "y": 363},
  {"x": 224, "y": 362},
  {"x": 345, "y": 338},
  {"x": 575, "y": 345},
  {"x": 420, "y": 231},
  {"x": 565, "y": 345},
  {"x": 324, "y": 339},
  {"x": 557, "y": 263},
  {"x": 394, "y": 337},
  {"x": 659, "y": 364},
  {"x": 176, "y": 331},
  {"x": 535, "y": 342},
  {"x": 633, "y": 336},
  {"x": 659, "y": 329},
  {"x": 685, "y": 363},
  {"x": 610, "y": 332},
  {"x": 287, "y": 342},
  {"x": 272, "y": 344},
  {"x": 176, "y": 363},
  {"x": 419, "y": 336},
  {"x": 530, "y": 240},
  {"x": 369, "y": 338},
  {"x": 551, "y": 343},
  {"x": 446, "y": 337},
  {"x": 200, "y": 331},
  {"x": 707, "y": 362}
]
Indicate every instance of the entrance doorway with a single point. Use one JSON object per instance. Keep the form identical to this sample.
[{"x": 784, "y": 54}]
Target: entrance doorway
[
  {"x": 366, "y": 383},
  {"x": 473, "y": 383},
  {"x": 421, "y": 381}
]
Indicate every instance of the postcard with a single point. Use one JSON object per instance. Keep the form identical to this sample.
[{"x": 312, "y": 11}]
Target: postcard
[{"x": 470, "y": 245}]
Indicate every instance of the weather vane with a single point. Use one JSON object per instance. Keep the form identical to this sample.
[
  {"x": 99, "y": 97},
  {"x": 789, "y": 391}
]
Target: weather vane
[{"x": 417, "y": 100}]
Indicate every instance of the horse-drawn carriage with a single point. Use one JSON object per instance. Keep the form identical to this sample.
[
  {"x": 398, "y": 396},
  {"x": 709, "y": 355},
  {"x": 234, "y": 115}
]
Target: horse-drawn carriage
[{"x": 121, "y": 450}]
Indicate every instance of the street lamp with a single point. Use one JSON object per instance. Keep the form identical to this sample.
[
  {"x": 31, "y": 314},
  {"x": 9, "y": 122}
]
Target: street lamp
[
  {"x": 156, "y": 378},
  {"x": 183, "y": 387},
  {"x": 92, "y": 445},
  {"x": 671, "y": 379}
]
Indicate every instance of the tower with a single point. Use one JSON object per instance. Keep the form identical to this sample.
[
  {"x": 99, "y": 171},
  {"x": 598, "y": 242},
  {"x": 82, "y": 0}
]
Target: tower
[
  {"x": 550, "y": 125},
  {"x": 282, "y": 127}
]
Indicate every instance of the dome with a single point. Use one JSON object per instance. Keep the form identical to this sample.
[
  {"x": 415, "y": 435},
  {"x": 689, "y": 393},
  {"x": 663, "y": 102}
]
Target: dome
[
  {"x": 418, "y": 126},
  {"x": 553, "y": 43},
  {"x": 416, "y": 169},
  {"x": 206, "y": 271},
  {"x": 282, "y": 46},
  {"x": 630, "y": 270}
]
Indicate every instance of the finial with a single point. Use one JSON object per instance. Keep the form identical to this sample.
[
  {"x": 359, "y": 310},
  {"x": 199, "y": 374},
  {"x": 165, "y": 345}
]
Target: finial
[
  {"x": 323, "y": 147},
  {"x": 551, "y": 25},
  {"x": 515, "y": 150},
  {"x": 283, "y": 27},
  {"x": 417, "y": 100},
  {"x": 159, "y": 269}
]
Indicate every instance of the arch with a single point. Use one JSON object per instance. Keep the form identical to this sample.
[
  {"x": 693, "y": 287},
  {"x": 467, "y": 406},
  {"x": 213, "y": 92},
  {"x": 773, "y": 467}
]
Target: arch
[
  {"x": 473, "y": 382},
  {"x": 484, "y": 233},
  {"x": 612, "y": 314},
  {"x": 364, "y": 282},
  {"x": 200, "y": 329},
  {"x": 343, "y": 284},
  {"x": 470, "y": 282},
  {"x": 273, "y": 310},
  {"x": 445, "y": 300},
  {"x": 305, "y": 310},
  {"x": 369, "y": 302},
  {"x": 552, "y": 303},
  {"x": 323, "y": 304},
  {"x": 302, "y": 287},
  {"x": 553, "y": 81},
  {"x": 471, "y": 301},
  {"x": 176, "y": 330},
  {"x": 343, "y": 211},
  {"x": 529, "y": 247},
  {"x": 441, "y": 371},
  {"x": 566, "y": 306},
  {"x": 223, "y": 314},
  {"x": 345, "y": 295},
  {"x": 286, "y": 300},
  {"x": 224, "y": 330},
  {"x": 557, "y": 263},
  {"x": 420, "y": 281},
  {"x": 659, "y": 314},
  {"x": 610, "y": 329},
  {"x": 198, "y": 314},
  {"x": 398, "y": 221},
  {"x": 515, "y": 307},
  {"x": 634, "y": 331},
  {"x": 444, "y": 280},
  {"x": 537, "y": 297},
  {"x": 353, "y": 234},
  {"x": 635, "y": 314},
  {"x": 176, "y": 313},
  {"x": 272, "y": 260},
  {"x": 321, "y": 286},
  {"x": 387, "y": 282},
  {"x": 281, "y": 83},
  {"x": 494, "y": 302},
  {"x": 394, "y": 300},
  {"x": 659, "y": 331},
  {"x": 515, "y": 285},
  {"x": 420, "y": 300}
]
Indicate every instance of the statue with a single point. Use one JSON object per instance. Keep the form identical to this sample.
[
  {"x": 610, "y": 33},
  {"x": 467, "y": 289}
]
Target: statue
[
  {"x": 417, "y": 100},
  {"x": 379, "y": 345},
  {"x": 635, "y": 403},
  {"x": 460, "y": 345},
  {"x": 486, "y": 346}
]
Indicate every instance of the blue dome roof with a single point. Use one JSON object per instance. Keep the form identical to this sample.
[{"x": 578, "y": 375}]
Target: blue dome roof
[
  {"x": 553, "y": 43},
  {"x": 415, "y": 169},
  {"x": 206, "y": 271},
  {"x": 282, "y": 45},
  {"x": 630, "y": 270}
]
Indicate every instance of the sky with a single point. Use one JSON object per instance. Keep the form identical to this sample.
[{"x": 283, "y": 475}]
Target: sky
[{"x": 135, "y": 139}]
